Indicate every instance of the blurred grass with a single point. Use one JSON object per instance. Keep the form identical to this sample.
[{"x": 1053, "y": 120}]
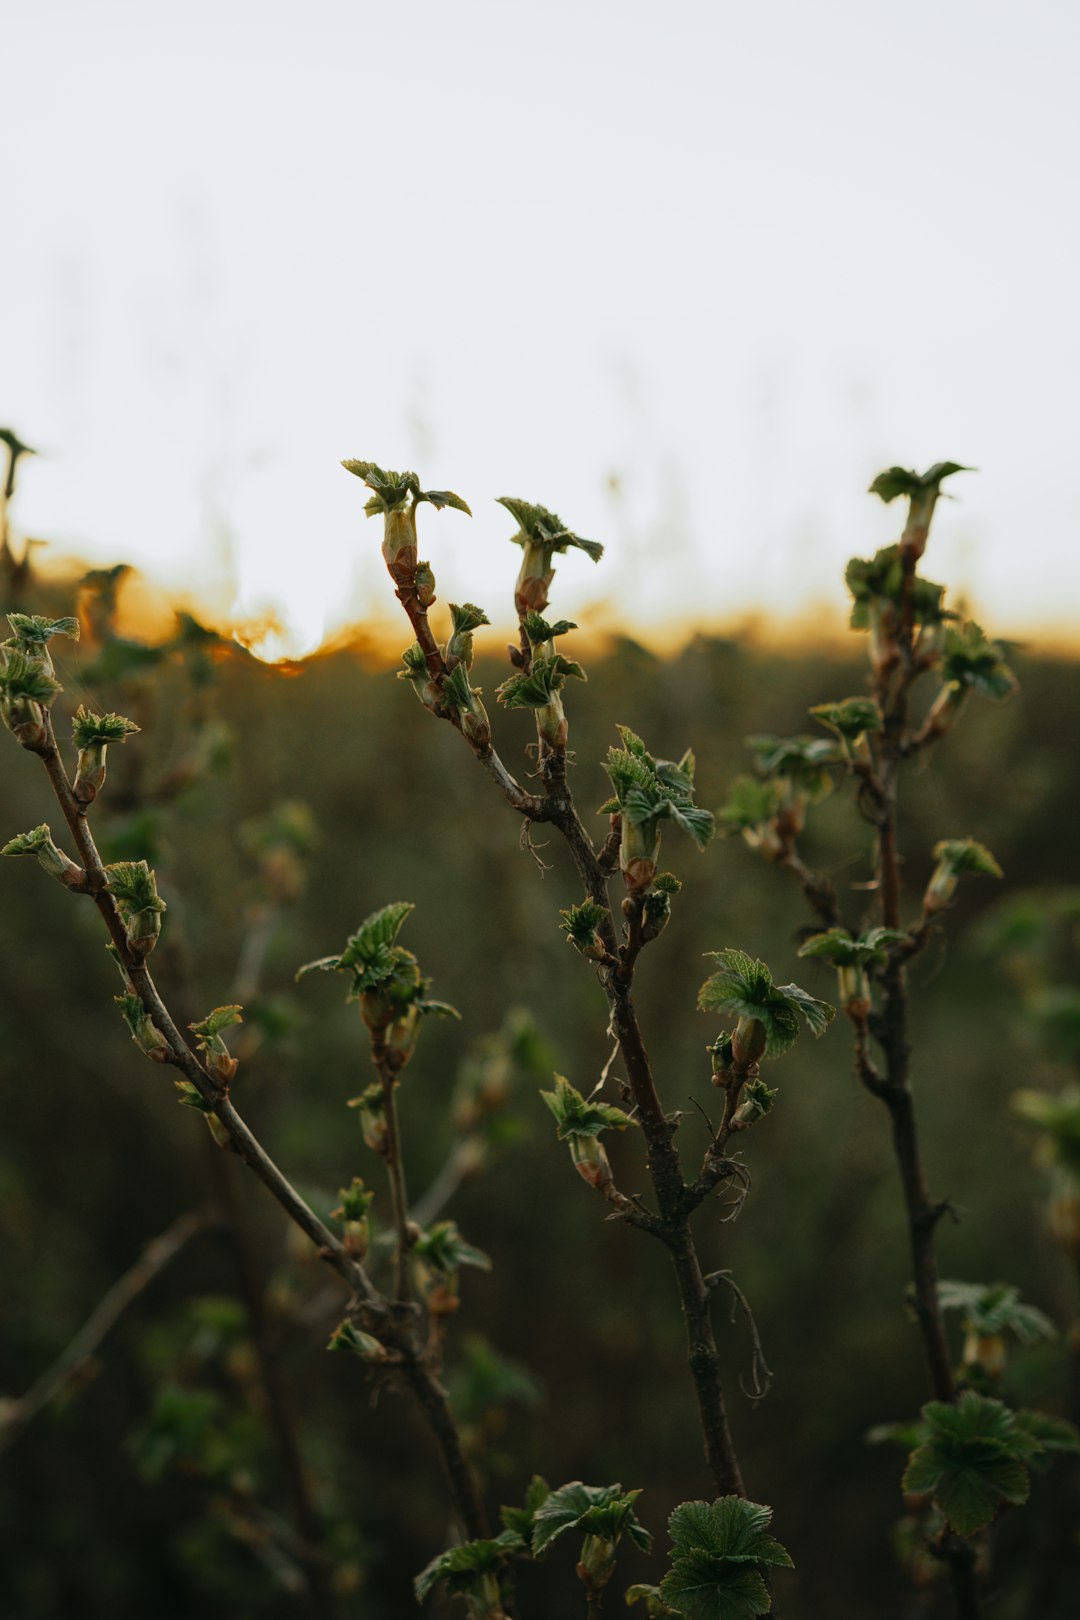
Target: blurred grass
[{"x": 97, "y": 1157}]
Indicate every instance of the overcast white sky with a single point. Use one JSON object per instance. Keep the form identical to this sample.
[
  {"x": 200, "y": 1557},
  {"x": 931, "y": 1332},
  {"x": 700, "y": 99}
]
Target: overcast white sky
[{"x": 737, "y": 258}]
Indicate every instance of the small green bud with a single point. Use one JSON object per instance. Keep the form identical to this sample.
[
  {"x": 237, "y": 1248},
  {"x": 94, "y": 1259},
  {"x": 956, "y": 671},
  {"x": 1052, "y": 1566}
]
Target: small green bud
[
  {"x": 580, "y": 924},
  {"x": 92, "y": 734},
  {"x": 591, "y": 1161},
  {"x": 348, "y": 1337},
  {"x": 466, "y": 618},
  {"x": 144, "y": 1032},
  {"x": 748, "y": 1041},
  {"x": 956, "y": 857},
  {"x": 597, "y": 1563},
  {"x": 656, "y": 912},
  {"x": 212, "y": 1045},
  {"x": 722, "y": 1058},
  {"x": 39, "y": 842},
  {"x": 371, "y": 1107},
  {"x": 424, "y": 584},
  {"x": 353, "y": 1214},
  {"x": 464, "y": 699},
  {"x": 27, "y": 692},
  {"x": 192, "y": 1097},
  {"x": 756, "y": 1101}
]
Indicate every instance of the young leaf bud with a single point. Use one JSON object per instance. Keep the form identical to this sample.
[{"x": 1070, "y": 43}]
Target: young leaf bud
[
  {"x": 353, "y": 1214},
  {"x": 748, "y": 1042},
  {"x": 757, "y": 1099},
  {"x": 212, "y": 1045},
  {"x": 371, "y": 1107},
  {"x": 39, "y": 842},
  {"x": 722, "y": 1059},
  {"x": 364, "y": 1345},
  {"x": 424, "y": 584},
  {"x": 591, "y": 1161},
  {"x": 656, "y": 913},
  {"x": 597, "y": 1562},
  {"x": 144, "y": 1032},
  {"x": 92, "y": 734}
]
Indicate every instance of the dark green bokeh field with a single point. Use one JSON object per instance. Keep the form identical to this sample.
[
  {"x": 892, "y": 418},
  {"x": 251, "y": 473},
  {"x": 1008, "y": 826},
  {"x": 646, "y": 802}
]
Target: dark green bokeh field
[{"x": 100, "y": 1519}]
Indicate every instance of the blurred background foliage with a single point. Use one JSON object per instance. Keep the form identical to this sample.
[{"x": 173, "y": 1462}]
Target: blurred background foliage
[{"x": 279, "y": 809}]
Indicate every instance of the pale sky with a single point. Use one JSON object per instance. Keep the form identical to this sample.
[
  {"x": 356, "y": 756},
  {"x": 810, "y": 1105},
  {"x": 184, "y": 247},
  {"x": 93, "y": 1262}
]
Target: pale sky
[{"x": 738, "y": 258}]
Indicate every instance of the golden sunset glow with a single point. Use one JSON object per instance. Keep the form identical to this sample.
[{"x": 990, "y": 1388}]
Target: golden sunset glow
[{"x": 694, "y": 310}]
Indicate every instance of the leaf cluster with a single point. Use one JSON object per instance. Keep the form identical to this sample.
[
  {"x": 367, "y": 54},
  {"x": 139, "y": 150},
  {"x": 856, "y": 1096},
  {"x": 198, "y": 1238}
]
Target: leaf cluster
[
  {"x": 391, "y": 490},
  {"x": 576, "y": 1115},
  {"x": 376, "y": 963},
  {"x": 134, "y": 887},
  {"x": 89, "y": 729},
  {"x": 972, "y": 1460},
  {"x": 537, "y": 689},
  {"x": 961, "y": 856},
  {"x": 649, "y": 790},
  {"x": 742, "y": 987},
  {"x": 850, "y": 717},
  {"x": 880, "y": 579},
  {"x": 719, "y": 1551},
  {"x": 444, "y": 1249},
  {"x": 838, "y": 946},
  {"x": 539, "y": 527},
  {"x": 971, "y": 660},
  {"x": 897, "y": 481},
  {"x": 993, "y": 1308}
]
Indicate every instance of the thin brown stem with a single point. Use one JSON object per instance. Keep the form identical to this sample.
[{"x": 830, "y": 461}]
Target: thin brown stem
[
  {"x": 399, "y": 1333},
  {"x": 159, "y": 1253},
  {"x": 278, "y": 1410},
  {"x": 241, "y": 1139},
  {"x": 892, "y": 685},
  {"x": 433, "y": 1403},
  {"x": 616, "y": 976},
  {"x": 393, "y": 1158}
]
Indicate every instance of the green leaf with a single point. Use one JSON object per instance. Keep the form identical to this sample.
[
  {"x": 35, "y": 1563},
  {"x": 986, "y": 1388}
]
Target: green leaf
[
  {"x": 538, "y": 688},
  {"x": 29, "y": 843},
  {"x": 837, "y": 946},
  {"x": 390, "y": 490},
  {"x": 972, "y": 660},
  {"x": 581, "y": 923},
  {"x": 729, "y": 1528},
  {"x": 520, "y": 1521},
  {"x": 370, "y": 954},
  {"x": 575, "y": 1116},
  {"x": 538, "y": 629},
  {"x": 444, "y": 497},
  {"x": 214, "y": 1022},
  {"x": 1042, "y": 1435},
  {"x": 993, "y": 1308},
  {"x": 743, "y": 988},
  {"x": 897, "y": 481},
  {"x": 751, "y": 802},
  {"x": 34, "y": 631},
  {"x": 655, "y": 1607},
  {"x": 88, "y": 729},
  {"x": 704, "y": 1588},
  {"x": 603, "y": 1510},
  {"x": 461, "y": 1568},
  {"x": 466, "y": 617},
  {"x": 969, "y": 1497},
  {"x": 965, "y": 855},
  {"x": 445, "y": 1250},
  {"x": 133, "y": 886},
  {"x": 850, "y": 717},
  {"x": 538, "y": 526},
  {"x": 22, "y": 676},
  {"x": 971, "y": 1460}
]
